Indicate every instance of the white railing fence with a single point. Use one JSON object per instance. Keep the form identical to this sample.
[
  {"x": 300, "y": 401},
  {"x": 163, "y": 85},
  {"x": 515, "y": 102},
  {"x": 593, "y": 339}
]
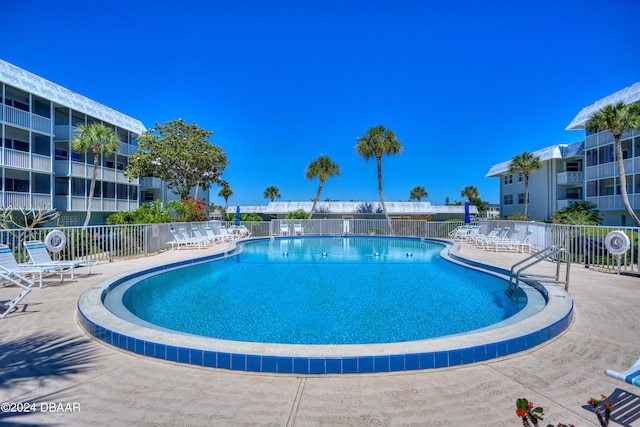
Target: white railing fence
[{"x": 585, "y": 244}]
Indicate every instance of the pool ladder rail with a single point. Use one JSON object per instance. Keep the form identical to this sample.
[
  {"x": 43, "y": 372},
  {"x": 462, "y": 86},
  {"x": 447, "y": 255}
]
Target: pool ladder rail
[{"x": 551, "y": 253}]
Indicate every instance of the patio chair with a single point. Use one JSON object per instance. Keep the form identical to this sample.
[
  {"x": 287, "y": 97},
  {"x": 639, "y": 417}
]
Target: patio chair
[
  {"x": 504, "y": 243},
  {"x": 501, "y": 236},
  {"x": 39, "y": 256},
  {"x": 459, "y": 232},
  {"x": 298, "y": 229},
  {"x": 631, "y": 375},
  {"x": 524, "y": 243},
  {"x": 215, "y": 238},
  {"x": 200, "y": 242},
  {"x": 493, "y": 233},
  {"x": 21, "y": 282},
  {"x": 197, "y": 234},
  {"x": 177, "y": 241},
  {"x": 10, "y": 267},
  {"x": 224, "y": 231},
  {"x": 284, "y": 230}
]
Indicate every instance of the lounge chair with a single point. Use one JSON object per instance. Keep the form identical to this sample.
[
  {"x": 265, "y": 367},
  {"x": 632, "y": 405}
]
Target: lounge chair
[
  {"x": 504, "y": 243},
  {"x": 459, "y": 232},
  {"x": 39, "y": 256},
  {"x": 493, "y": 233},
  {"x": 524, "y": 243},
  {"x": 224, "y": 231},
  {"x": 284, "y": 230},
  {"x": 10, "y": 267},
  {"x": 21, "y": 282},
  {"x": 215, "y": 238},
  {"x": 197, "y": 234},
  {"x": 501, "y": 236},
  {"x": 198, "y": 241},
  {"x": 631, "y": 375},
  {"x": 298, "y": 229}
]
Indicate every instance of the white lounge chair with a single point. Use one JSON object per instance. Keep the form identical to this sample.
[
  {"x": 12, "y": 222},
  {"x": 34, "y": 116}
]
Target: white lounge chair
[
  {"x": 298, "y": 230},
  {"x": 504, "y": 243},
  {"x": 39, "y": 256},
  {"x": 459, "y": 232},
  {"x": 21, "y": 282},
  {"x": 524, "y": 243},
  {"x": 501, "y": 236},
  {"x": 200, "y": 242},
  {"x": 197, "y": 234},
  {"x": 215, "y": 238},
  {"x": 284, "y": 230},
  {"x": 631, "y": 375},
  {"x": 493, "y": 233},
  {"x": 224, "y": 231},
  {"x": 10, "y": 267}
]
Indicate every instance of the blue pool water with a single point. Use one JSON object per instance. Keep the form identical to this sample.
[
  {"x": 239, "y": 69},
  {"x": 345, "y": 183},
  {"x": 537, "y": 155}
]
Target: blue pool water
[{"x": 354, "y": 290}]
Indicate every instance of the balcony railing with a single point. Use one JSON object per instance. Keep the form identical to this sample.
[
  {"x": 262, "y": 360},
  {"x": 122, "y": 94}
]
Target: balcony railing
[
  {"x": 99, "y": 204},
  {"x": 150, "y": 182},
  {"x": 570, "y": 178},
  {"x": 26, "y": 200},
  {"x": 26, "y": 119}
]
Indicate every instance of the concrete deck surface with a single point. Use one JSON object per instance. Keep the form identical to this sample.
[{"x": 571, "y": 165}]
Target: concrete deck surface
[{"x": 45, "y": 357}]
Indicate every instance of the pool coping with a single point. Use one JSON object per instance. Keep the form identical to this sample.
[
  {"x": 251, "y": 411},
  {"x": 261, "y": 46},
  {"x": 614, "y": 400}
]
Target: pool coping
[{"x": 443, "y": 352}]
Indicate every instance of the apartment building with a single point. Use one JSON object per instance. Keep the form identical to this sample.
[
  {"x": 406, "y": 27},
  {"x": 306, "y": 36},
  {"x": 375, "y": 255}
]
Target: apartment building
[
  {"x": 601, "y": 184},
  {"x": 37, "y": 165},
  {"x": 586, "y": 170},
  {"x": 554, "y": 186}
]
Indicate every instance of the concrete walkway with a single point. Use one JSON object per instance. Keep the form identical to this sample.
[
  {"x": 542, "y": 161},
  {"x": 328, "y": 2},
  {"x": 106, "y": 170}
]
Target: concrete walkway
[{"x": 71, "y": 379}]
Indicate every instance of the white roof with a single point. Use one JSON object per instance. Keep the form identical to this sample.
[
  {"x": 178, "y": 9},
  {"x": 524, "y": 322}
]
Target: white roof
[
  {"x": 558, "y": 151},
  {"x": 628, "y": 95},
  {"x": 29, "y": 82},
  {"x": 349, "y": 208}
]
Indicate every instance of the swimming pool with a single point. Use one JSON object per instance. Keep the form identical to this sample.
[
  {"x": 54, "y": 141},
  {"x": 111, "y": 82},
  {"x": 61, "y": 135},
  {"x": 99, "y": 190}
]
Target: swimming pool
[
  {"x": 241, "y": 353},
  {"x": 326, "y": 290}
]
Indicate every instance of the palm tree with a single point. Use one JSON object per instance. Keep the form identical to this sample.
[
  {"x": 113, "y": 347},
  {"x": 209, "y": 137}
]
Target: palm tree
[
  {"x": 616, "y": 118},
  {"x": 418, "y": 193},
  {"x": 470, "y": 192},
  {"x": 525, "y": 163},
  {"x": 322, "y": 167},
  {"x": 225, "y": 192},
  {"x": 376, "y": 142},
  {"x": 99, "y": 140},
  {"x": 272, "y": 193}
]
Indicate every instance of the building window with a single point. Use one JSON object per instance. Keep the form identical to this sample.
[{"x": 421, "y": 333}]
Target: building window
[
  {"x": 606, "y": 154},
  {"x": 147, "y": 196},
  {"x": 508, "y": 199},
  {"x": 123, "y": 192},
  {"x": 109, "y": 190},
  {"x": 133, "y": 192},
  {"x": 592, "y": 157},
  {"x": 62, "y": 186},
  {"x": 520, "y": 177},
  {"x": 592, "y": 188},
  {"x": 41, "y": 183},
  {"x": 521, "y": 198},
  {"x": 508, "y": 179},
  {"x": 16, "y": 184},
  {"x": 573, "y": 166},
  {"x": 78, "y": 187},
  {"x": 573, "y": 193}
]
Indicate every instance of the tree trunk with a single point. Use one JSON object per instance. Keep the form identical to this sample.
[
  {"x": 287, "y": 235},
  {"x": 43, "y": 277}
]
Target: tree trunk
[
  {"x": 313, "y": 207},
  {"x": 526, "y": 197},
  {"x": 92, "y": 188},
  {"x": 384, "y": 207},
  {"x": 623, "y": 183}
]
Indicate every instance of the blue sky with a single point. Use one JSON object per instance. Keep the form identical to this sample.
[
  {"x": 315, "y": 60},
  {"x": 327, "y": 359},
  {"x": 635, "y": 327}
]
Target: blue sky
[{"x": 464, "y": 84}]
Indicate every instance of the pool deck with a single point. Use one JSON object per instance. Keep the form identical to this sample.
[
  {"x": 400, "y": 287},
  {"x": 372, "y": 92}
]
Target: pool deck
[{"x": 45, "y": 357}]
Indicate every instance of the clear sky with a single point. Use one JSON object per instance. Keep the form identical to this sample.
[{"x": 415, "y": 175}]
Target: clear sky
[{"x": 464, "y": 84}]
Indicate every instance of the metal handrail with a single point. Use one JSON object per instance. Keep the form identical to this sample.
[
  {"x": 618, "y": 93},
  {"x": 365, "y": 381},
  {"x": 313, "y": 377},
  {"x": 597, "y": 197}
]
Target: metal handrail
[{"x": 539, "y": 256}]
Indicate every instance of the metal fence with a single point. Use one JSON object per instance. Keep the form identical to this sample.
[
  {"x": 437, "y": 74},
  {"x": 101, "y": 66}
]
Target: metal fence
[{"x": 585, "y": 244}]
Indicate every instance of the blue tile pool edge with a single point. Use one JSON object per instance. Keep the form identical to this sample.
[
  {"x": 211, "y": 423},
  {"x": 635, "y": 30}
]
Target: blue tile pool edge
[{"x": 299, "y": 365}]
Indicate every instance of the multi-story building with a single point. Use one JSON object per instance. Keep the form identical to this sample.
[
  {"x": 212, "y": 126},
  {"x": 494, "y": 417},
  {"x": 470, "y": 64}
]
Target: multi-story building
[
  {"x": 586, "y": 170},
  {"x": 554, "y": 186},
  {"x": 601, "y": 170},
  {"x": 37, "y": 164}
]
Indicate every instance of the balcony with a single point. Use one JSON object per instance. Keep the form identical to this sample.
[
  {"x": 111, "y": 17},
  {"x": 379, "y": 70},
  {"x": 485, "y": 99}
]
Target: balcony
[
  {"x": 80, "y": 204},
  {"x": 24, "y": 160},
  {"x": 25, "y": 119},
  {"x": 570, "y": 178},
  {"x": 150, "y": 183},
  {"x": 614, "y": 203},
  {"x": 26, "y": 200}
]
